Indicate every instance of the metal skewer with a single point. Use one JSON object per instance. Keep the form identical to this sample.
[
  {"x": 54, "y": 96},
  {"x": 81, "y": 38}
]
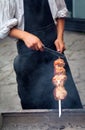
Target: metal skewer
[
  {"x": 59, "y": 55},
  {"x": 56, "y": 53},
  {"x": 59, "y": 104}
]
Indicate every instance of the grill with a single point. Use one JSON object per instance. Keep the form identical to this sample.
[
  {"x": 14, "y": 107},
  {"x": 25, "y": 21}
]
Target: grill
[{"x": 72, "y": 119}]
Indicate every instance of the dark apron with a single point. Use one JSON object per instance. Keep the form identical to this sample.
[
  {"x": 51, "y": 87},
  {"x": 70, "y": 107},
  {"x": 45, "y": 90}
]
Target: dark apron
[{"x": 34, "y": 69}]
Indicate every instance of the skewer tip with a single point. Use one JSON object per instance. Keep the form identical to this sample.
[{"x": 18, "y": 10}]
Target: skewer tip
[{"x": 59, "y": 108}]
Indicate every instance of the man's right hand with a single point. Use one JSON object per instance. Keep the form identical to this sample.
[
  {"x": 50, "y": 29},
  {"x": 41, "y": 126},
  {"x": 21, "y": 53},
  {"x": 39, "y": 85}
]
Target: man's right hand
[{"x": 32, "y": 41}]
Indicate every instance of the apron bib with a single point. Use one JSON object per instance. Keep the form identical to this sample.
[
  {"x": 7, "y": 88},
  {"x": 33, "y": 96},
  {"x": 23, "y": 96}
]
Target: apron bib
[{"x": 34, "y": 69}]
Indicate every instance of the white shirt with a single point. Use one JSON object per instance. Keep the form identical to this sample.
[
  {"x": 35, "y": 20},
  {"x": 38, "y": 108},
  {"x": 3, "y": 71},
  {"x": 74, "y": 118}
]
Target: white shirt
[{"x": 12, "y": 14}]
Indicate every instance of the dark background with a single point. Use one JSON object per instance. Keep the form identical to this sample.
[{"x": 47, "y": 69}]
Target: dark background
[{"x": 74, "y": 24}]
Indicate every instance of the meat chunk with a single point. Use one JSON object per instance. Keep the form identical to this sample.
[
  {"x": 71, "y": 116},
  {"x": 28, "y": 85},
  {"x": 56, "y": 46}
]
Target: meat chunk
[
  {"x": 59, "y": 80},
  {"x": 59, "y": 62},
  {"x": 59, "y": 71},
  {"x": 59, "y": 93}
]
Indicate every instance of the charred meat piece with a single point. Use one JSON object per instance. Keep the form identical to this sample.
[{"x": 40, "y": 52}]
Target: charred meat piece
[
  {"x": 59, "y": 80},
  {"x": 59, "y": 71},
  {"x": 59, "y": 93},
  {"x": 59, "y": 62}
]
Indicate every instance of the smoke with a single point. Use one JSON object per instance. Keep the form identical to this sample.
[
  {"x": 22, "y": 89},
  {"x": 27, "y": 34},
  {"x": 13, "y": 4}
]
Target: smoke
[{"x": 34, "y": 77}]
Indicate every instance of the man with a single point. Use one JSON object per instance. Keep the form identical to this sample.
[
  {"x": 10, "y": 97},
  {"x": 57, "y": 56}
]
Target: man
[{"x": 32, "y": 23}]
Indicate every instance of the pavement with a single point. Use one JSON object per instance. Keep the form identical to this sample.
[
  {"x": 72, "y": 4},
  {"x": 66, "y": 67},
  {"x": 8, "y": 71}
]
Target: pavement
[{"x": 75, "y": 53}]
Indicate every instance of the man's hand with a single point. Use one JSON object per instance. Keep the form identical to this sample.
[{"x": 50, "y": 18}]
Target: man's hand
[
  {"x": 32, "y": 41},
  {"x": 60, "y": 45}
]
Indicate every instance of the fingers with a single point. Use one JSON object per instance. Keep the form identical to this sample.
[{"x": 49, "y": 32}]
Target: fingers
[
  {"x": 40, "y": 46},
  {"x": 60, "y": 46},
  {"x": 33, "y": 42}
]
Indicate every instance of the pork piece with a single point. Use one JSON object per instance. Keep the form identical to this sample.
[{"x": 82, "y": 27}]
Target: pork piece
[
  {"x": 59, "y": 80},
  {"x": 59, "y": 93},
  {"x": 59, "y": 62},
  {"x": 59, "y": 71}
]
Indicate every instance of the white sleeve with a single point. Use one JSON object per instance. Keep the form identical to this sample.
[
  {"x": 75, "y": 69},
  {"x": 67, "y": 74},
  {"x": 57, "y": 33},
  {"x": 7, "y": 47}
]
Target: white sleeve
[
  {"x": 7, "y": 19},
  {"x": 62, "y": 9}
]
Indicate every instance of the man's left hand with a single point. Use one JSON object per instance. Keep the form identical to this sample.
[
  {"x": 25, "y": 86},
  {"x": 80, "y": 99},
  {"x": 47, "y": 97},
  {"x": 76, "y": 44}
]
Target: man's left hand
[{"x": 60, "y": 45}]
